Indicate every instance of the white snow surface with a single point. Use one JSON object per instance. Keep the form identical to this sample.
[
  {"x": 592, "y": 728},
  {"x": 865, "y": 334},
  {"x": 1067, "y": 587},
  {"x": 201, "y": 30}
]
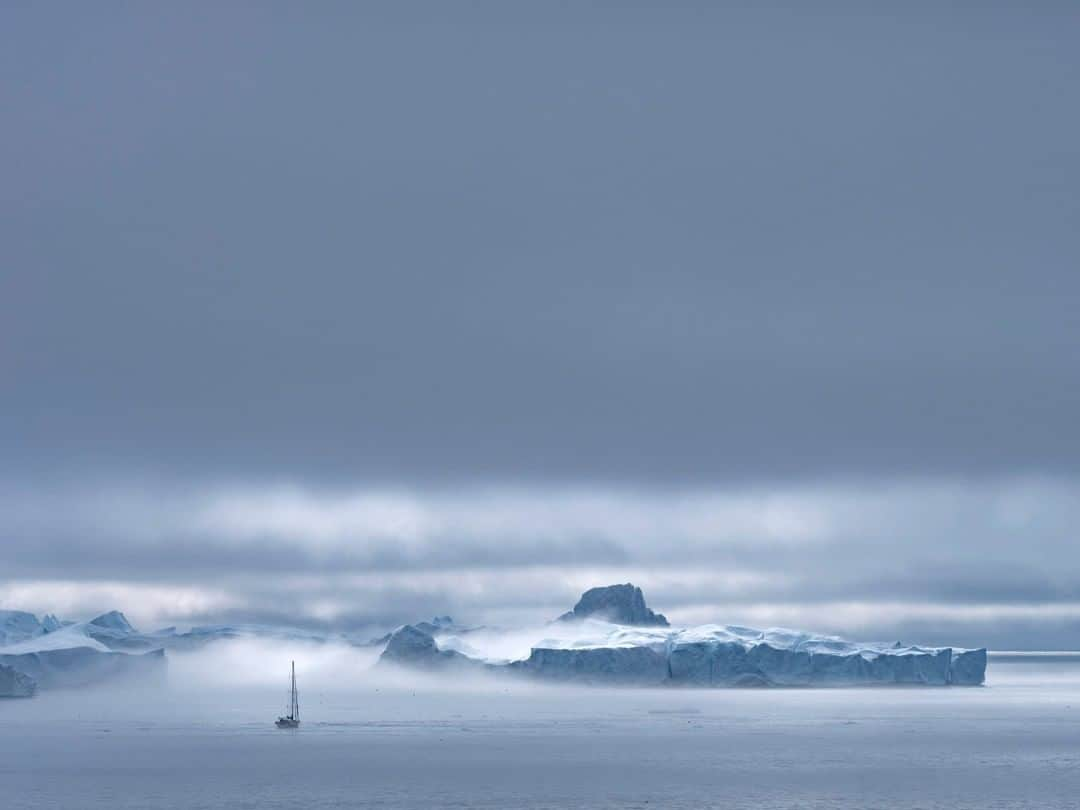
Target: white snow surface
[
  {"x": 501, "y": 646},
  {"x": 66, "y": 638},
  {"x": 18, "y": 625}
]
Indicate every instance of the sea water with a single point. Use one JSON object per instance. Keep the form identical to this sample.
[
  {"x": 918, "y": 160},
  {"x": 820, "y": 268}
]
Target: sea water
[{"x": 396, "y": 742}]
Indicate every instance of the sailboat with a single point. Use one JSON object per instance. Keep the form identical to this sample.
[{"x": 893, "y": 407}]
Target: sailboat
[{"x": 292, "y": 719}]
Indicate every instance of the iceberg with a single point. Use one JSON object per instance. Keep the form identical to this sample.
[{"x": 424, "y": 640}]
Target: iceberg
[
  {"x": 414, "y": 647},
  {"x": 85, "y": 666},
  {"x": 21, "y": 632},
  {"x": 113, "y": 631},
  {"x": 65, "y": 638},
  {"x": 639, "y": 666},
  {"x": 619, "y": 604},
  {"x": 110, "y": 631},
  {"x": 588, "y": 645},
  {"x": 610, "y": 637},
  {"x": 18, "y": 625},
  {"x": 55, "y": 654},
  {"x": 15, "y": 684},
  {"x": 437, "y": 626},
  {"x": 50, "y": 624},
  {"x": 113, "y": 620},
  {"x": 716, "y": 655}
]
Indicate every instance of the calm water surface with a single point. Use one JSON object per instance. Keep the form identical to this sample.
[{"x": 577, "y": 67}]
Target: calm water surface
[{"x": 1014, "y": 743}]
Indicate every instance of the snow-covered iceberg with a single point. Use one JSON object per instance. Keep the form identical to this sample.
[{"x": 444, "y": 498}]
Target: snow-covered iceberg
[
  {"x": 18, "y": 625},
  {"x": 55, "y": 654},
  {"x": 109, "y": 631},
  {"x": 611, "y": 636},
  {"x": 646, "y": 651},
  {"x": 113, "y": 631}
]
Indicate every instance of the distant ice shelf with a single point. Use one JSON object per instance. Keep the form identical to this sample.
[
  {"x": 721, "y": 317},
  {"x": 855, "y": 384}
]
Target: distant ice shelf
[{"x": 588, "y": 646}]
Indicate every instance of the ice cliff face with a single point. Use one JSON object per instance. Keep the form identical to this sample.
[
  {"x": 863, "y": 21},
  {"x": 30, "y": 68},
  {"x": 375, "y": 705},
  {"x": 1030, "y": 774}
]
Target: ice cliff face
[
  {"x": 619, "y": 604},
  {"x": 589, "y": 650},
  {"x": 740, "y": 656},
  {"x": 715, "y": 655},
  {"x": 637, "y": 666},
  {"x": 15, "y": 684}
]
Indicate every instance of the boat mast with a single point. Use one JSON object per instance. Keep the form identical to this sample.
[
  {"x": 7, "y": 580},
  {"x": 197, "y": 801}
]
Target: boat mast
[{"x": 294, "y": 708}]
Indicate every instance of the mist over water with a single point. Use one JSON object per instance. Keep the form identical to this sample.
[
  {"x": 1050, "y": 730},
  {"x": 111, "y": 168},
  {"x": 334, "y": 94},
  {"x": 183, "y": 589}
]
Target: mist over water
[{"x": 373, "y": 736}]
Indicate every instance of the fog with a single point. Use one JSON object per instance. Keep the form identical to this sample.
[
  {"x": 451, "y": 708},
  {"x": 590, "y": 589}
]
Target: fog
[
  {"x": 950, "y": 561},
  {"x": 382, "y": 737},
  {"x": 244, "y": 683}
]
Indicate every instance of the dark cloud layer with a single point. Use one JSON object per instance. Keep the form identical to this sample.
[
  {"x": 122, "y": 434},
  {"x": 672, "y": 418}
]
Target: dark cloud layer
[
  {"x": 604, "y": 241},
  {"x": 771, "y": 309}
]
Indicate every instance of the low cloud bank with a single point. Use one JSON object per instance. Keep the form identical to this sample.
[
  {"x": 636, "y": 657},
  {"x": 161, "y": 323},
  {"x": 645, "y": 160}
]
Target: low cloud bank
[{"x": 929, "y": 557}]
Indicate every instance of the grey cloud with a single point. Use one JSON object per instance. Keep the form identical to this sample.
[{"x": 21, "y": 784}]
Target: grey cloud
[
  {"x": 822, "y": 259},
  {"x": 653, "y": 244},
  {"x": 941, "y": 549}
]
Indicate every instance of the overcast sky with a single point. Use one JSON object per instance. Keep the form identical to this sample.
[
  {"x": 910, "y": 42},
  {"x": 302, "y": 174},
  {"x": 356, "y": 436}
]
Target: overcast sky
[{"x": 413, "y": 307}]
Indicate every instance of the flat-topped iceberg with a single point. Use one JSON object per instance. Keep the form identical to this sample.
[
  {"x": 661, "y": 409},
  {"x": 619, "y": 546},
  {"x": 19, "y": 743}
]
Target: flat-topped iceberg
[{"x": 591, "y": 650}]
